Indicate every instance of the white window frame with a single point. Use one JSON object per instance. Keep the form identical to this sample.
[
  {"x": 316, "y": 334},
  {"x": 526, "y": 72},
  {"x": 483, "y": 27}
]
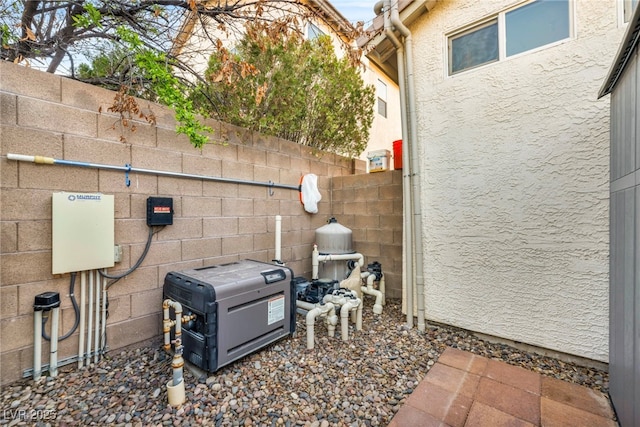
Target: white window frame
[
  {"x": 625, "y": 10},
  {"x": 502, "y": 39}
]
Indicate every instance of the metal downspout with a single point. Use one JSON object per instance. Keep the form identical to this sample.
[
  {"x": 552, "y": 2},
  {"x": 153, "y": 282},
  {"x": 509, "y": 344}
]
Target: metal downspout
[
  {"x": 415, "y": 167},
  {"x": 407, "y": 232}
]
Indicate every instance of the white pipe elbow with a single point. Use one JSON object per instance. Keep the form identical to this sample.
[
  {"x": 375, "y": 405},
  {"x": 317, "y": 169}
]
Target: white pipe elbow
[{"x": 377, "y": 306}]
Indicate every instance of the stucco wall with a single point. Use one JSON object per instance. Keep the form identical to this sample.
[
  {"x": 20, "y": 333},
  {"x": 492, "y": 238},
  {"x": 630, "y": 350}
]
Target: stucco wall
[
  {"x": 515, "y": 164},
  {"x": 214, "y": 222}
]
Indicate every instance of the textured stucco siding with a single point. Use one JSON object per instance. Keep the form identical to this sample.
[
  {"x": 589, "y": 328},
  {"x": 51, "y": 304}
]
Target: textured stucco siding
[{"x": 515, "y": 168}]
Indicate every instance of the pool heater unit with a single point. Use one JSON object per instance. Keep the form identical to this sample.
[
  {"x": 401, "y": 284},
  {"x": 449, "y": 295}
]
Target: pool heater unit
[{"x": 235, "y": 309}]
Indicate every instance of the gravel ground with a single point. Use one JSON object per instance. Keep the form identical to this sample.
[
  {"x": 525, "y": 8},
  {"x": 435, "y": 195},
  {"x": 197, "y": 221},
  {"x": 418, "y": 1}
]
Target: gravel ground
[{"x": 362, "y": 382}]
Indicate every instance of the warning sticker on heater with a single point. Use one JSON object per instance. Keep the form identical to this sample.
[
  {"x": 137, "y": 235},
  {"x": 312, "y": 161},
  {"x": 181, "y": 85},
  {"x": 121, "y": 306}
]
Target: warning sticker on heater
[{"x": 276, "y": 310}]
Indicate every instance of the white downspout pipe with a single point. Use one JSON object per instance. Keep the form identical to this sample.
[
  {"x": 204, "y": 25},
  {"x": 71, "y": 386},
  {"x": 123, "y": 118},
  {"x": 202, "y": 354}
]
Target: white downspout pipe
[
  {"x": 414, "y": 161},
  {"x": 407, "y": 232},
  {"x": 369, "y": 290}
]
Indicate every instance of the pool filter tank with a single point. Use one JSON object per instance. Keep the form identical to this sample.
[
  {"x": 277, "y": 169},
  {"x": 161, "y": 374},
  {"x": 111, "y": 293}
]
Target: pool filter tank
[{"x": 334, "y": 239}]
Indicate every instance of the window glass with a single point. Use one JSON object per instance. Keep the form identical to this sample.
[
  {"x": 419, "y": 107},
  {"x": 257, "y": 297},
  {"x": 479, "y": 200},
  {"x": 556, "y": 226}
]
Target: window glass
[
  {"x": 536, "y": 24},
  {"x": 382, "y": 107},
  {"x": 382, "y": 98},
  {"x": 314, "y": 32},
  {"x": 475, "y": 47},
  {"x": 629, "y": 7}
]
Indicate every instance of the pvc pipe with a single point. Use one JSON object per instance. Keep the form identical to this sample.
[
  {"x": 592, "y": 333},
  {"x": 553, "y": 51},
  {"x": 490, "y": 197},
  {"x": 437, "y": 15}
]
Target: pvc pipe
[
  {"x": 53, "y": 354},
  {"x": 347, "y": 302},
  {"x": 83, "y": 291},
  {"x": 316, "y": 258},
  {"x": 407, "y": 231},
  {"x": 128, "y": 168},
  {"x": 89, "y": 319},
  {"x": 416, "y": 228},
  {"x": 369, "y": 290},
  {"x": 175, "y": 387},
  {"x": 313, "y": 311},
  {"x": 37, "y": 345},
  {"x": 278, "y": 259},
  {"x": 98, "y": 313},
  {"x": 104, "y": 311},
  {"x": 324, "y": 309}
]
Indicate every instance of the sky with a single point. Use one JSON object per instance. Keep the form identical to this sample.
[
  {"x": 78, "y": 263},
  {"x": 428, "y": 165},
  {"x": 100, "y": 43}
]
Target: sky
[{"x": 356, "y": 10}]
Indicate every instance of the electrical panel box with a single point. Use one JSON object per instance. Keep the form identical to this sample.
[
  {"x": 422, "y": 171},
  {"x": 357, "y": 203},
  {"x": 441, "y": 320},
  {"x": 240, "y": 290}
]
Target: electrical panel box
[
  {"x": 159, "y": 211},
  {"x": 82, "y": 232}
]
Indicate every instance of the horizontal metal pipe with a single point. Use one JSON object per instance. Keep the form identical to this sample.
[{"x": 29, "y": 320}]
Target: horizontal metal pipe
[{"x": 52, "y": 161}]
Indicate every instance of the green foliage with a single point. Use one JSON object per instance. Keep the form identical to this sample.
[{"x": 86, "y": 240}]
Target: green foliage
[
  {"x": 157, "y": 70},
  {"x": 278, "y": 84},
  {"x": 150, "y": 77},
  {"x": 91, "y": 18}
]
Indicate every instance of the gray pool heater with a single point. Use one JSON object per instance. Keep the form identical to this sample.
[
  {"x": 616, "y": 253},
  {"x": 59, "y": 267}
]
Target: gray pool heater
[{"x": 239, "y": 308}]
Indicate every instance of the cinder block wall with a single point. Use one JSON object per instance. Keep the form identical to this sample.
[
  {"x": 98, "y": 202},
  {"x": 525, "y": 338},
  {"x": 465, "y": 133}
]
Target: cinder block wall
[
  {"x": 371, "y": 206},
  {"x": 214, "y": 222}
]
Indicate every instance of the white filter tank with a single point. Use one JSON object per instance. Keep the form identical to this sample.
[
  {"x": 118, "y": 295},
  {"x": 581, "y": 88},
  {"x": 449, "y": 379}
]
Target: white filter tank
[{"x": 334, "y": 239}]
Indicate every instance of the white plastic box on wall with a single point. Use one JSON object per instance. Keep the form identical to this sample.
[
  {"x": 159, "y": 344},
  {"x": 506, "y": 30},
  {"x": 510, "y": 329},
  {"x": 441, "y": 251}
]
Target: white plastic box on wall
[{"x": 378, "y": 160}]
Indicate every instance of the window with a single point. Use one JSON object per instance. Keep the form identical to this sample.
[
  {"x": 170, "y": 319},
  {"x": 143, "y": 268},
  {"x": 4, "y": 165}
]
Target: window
[
  {"x": 628, "y": 8},
  {"x": 474, "y": 47},
  {"x": 313, "y": 32},
  {"x": 382, "y": 98},
  {"x": 527, "y": 27}
]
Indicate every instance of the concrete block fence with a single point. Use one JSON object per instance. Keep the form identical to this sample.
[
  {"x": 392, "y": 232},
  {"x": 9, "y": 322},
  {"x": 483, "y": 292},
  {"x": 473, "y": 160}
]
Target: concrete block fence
[{"x": 214, "y": 222}]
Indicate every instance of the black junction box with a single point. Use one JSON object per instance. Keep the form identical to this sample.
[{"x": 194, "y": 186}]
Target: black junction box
[
  {"x": 159, "y": 211},
  {"x": 46, "y": 301}
]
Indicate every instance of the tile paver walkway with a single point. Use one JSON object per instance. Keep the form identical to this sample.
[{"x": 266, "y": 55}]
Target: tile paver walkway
[{"x": 466, "y": 390}]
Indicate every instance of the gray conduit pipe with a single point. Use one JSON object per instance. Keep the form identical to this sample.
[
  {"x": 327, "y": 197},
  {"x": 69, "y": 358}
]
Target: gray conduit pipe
[
  {"x": 83, "y": 292},
  {"x": 415, "y": 167},
  {"x": 128, "y": 168}
]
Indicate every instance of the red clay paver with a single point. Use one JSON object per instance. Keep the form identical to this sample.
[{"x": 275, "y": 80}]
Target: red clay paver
[
  {"x": 579, "y": 397},
  {"x": 466, "y": 390},
  {"x": 464, "y": 360},
  {"x": 482, "y": 415},
  {"x": 445, "y": 405},
  {"x": 453, "y": 379},
  {"x": 509, "y": 399},
  {"x": 514, "y": 376},
  {"x": 556, "y": 414}
]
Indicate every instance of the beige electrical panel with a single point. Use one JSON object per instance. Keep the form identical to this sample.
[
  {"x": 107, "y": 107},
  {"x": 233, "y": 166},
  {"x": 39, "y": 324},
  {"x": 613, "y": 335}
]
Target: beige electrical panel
[{"x": 82, "y": 232}]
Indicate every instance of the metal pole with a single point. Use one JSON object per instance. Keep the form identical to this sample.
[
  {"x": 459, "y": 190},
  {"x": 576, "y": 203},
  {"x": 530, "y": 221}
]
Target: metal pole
[{"x": 129, "y": 168}]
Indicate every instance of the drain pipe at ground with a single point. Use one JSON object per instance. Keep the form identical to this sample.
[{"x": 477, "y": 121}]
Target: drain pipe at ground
[
  {"x": 369, "y": 290},
  {"x": 315, "y": 310},
  {"x": 415, "y": 166}
]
